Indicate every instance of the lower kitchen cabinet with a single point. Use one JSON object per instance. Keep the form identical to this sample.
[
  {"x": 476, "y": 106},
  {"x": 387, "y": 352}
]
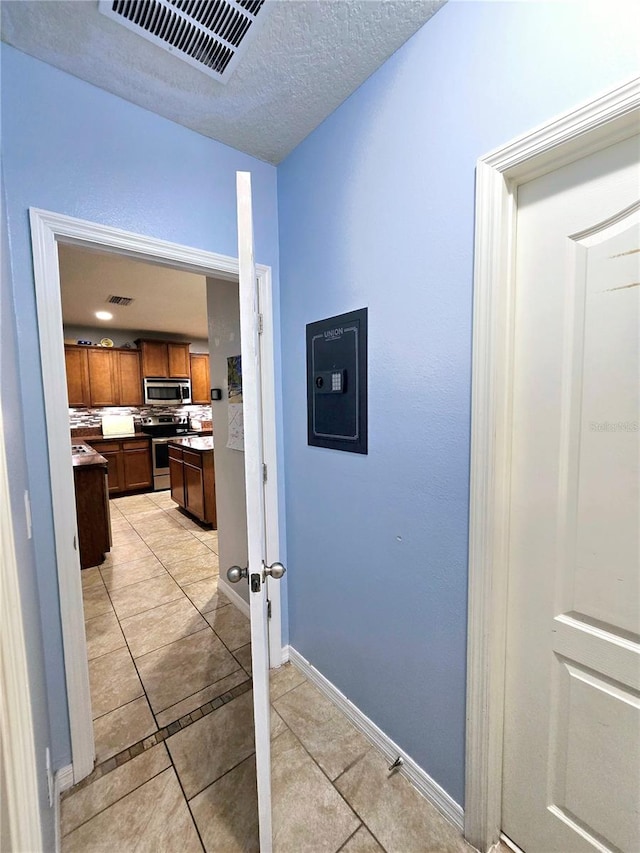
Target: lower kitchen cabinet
[
  {"x": 193, "y": 486},
  {"x": 129, "y": 461},
  {"x": 92, "y": 511},
  {"x": 176, "y": 475}
]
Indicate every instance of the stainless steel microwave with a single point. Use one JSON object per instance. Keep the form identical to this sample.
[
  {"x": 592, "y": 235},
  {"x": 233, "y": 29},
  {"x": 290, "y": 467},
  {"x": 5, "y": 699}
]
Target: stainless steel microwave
[{"x": 167, "y": 392}]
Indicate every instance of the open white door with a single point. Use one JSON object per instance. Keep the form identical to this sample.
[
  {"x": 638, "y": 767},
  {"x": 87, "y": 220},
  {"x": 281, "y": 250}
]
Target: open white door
[{"x": 256, "y": 540}]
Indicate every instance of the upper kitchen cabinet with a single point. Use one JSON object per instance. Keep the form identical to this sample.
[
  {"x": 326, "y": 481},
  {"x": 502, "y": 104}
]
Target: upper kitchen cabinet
[
  {"x": 200, "y": 378},
  {"x": 101, "y": 377},
  {"x": 164, "y": 359},
  {"x": 129, "y": 377},
  {"x": 77, "y": 367}
]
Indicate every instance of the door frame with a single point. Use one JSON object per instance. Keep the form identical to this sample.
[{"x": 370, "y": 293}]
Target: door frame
[
  {"x": 603, "y": 121},
  {"x": 19, "y": 766},
  {"x": 47, "y": 230}
]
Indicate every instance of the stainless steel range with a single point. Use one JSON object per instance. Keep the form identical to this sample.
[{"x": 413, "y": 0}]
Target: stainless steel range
[{"x": 162, "y": 428}]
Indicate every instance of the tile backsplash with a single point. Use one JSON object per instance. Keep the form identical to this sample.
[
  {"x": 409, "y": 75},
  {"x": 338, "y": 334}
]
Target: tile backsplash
[{"x": 93, "y": 417}]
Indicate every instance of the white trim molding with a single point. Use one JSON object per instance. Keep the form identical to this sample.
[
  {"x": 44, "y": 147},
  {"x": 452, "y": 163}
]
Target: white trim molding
[
  {"x": 18, "y": 754},
  {"x": 47, "y": 230},
  {"x": 234, "y": 596},
  {"x": 62, "y": 781},
  {"x": 601, "y": 122},
  {"x": 421, "y": 780}
]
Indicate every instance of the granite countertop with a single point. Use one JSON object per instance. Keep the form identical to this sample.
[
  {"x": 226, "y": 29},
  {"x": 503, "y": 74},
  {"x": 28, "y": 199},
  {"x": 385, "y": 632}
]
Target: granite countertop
[
  {"x": 194, "y": 442},
  {"x": 87, "y": 458},
  {"x": 89, "y": 434}
]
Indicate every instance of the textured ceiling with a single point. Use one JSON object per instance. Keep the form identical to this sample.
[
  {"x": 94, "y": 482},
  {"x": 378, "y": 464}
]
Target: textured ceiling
[
  {"x": 164, "y": 299},
  {"x": 308, "y": 56}
]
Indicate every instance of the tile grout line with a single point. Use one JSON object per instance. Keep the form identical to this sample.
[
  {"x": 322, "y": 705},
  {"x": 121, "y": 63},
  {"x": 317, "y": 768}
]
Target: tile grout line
[
  {"x": 133, "y": 660},
  {"x": 160, "y": 736},
  {"x": 324, "y": 773},
  {"x": 174, "y": 727},
  {"x": 77, "y": 789}
]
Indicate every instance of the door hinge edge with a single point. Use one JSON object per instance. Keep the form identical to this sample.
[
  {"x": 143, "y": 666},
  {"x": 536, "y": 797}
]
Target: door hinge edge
[
  {"x": 264, "y": 472},
  {"x": 260, "y": 324},
  {"x": 268, "y": 609}
]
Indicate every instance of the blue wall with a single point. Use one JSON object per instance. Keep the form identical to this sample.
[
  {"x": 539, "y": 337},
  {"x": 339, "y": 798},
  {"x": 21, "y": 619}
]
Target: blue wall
[
  {"x": 73, "y": 149},
  {"x": 376, "y": 209}
]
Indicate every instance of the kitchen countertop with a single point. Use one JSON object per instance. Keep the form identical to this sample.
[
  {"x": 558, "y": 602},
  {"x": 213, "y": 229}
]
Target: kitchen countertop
[
  {"x": 194, "y": 442},
  {"x": 87, "y": 437},
  {"x": 86, "y": 460}
]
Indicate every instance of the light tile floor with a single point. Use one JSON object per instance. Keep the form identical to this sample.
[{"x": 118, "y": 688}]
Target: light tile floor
[{"x": 170, "y": 666}]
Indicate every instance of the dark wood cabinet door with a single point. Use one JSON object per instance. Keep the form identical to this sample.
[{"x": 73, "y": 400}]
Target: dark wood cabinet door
[
  {"x": 200, "y": 379},
  {"x": 115, "y": 470},
  {"x": 194, "y": 490},
  {"x": 129, "y": 377},
  {"x": 77, "y": 376},
  {"x": 176, "y": 476},
  {"x": 154, "y": 359},
  {"x": 92, "y": 512},
  {"x": 103, "y": 377},
  {"x": 137, "y": 468},
  {"x": 178, "y": 359}
]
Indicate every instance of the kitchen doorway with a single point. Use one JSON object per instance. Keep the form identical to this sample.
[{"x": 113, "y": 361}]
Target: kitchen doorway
[{"x": 48, "y": 231}]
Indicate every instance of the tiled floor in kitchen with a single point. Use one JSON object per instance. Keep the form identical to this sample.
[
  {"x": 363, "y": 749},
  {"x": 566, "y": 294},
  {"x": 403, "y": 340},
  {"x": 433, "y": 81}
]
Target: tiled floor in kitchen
[{"x": 170, "y": 665}]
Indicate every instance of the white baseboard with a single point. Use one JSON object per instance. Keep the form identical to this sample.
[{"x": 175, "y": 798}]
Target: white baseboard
[
  {"x": 507, "y": 843},
  {"x": 234, "y": 597},
  {"x": 62, "y": 780},
  {"x": 421, "y": 780}
]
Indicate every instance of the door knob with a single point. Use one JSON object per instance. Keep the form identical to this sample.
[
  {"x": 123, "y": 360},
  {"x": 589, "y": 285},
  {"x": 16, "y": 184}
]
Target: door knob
[
  {"x": 276, "y": 570},
  {"x": 235, "y": 573}
]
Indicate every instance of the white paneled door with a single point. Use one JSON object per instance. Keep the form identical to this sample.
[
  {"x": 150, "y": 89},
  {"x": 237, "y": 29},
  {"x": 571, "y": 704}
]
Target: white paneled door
[
  {"x": 572, "y": 701},
  {"x": 256, "y": 537}
]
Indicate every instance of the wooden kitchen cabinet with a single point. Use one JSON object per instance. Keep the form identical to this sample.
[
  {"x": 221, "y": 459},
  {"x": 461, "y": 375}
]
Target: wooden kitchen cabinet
[
  {"x": 129, "y": 377},
  {"x": 136, "y": 456},
  {"x": 112, "y": 452},
  {"x": 103, "y": 377},
  {"x": 77, "y": 365},
  {"x": 176, "y": 475},
  {"x": 200, "y": 378},
  {"x": 178, "y": 357},
  {"x": 92, "y": 512},
  {"x": 99, "y": 377},
  {"x": 129, "y": 463},
  {"x": 193, "y": 484},
  {"x": 164, "y": 359}
]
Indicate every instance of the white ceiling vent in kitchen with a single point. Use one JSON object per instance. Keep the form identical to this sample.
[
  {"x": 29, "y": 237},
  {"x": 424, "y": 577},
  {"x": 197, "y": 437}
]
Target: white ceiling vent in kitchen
[
  {"x": 211, "y": 35},
  {"x": 120, "y": 300}
]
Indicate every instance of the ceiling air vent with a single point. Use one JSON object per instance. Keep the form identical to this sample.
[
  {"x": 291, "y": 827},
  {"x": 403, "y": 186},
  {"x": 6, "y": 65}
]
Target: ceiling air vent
[
  {"x": 209, "y": 34},
  {"x": 120, "y": 300}
]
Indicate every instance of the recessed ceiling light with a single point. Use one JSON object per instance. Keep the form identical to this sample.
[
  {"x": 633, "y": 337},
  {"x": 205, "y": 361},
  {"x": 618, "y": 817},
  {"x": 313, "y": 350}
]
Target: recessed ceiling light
[{"x": 104, "y": 315}]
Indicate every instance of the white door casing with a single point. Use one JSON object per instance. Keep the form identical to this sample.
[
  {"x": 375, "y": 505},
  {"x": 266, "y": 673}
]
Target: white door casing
[
  {"x": 591, "y": 127},
  {"x": 19, "y": 764},
  {"x": 47, "y": 229},
  {"x": 572, "y": 684},
  {"x": 256, "y": 541}
]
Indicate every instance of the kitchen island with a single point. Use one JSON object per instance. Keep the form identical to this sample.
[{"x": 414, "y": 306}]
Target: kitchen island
[
  {"x": 92, "y": 504},
  {"x": 192, "y": 476}
]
